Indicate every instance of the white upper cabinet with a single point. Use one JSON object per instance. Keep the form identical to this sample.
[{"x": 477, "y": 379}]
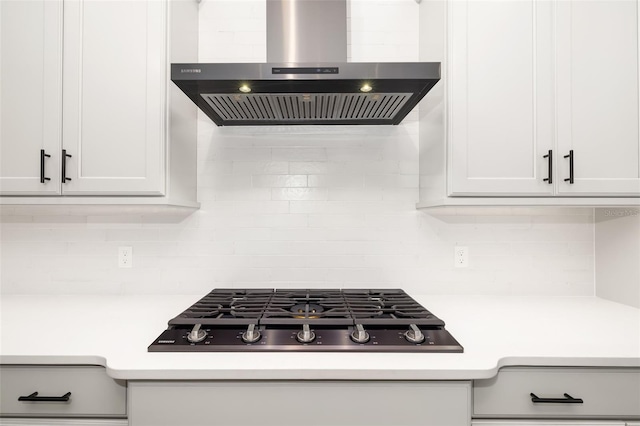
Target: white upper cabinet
[
  {"x": 88, "y": 82},
  {"x": 597, "y": 97},
  {"x": 114, "y": 96},
  {"x": 500, "y": 105},
  {"x": 528, "y": 88},
  {"x": 30, "y": 96}
]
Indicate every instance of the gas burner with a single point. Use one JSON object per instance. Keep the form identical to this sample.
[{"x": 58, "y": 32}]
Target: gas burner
[
  {"x": 377, "y": 320},
  {"x": 306, "y": 310}
]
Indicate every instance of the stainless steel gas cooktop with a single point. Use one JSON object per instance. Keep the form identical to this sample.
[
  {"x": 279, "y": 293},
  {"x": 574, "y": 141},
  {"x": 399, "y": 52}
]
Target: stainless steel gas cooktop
[{"x": 239, "y": 320}]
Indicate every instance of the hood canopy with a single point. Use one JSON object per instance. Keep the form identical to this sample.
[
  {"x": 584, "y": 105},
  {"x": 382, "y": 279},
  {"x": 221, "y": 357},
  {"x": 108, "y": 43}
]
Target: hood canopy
[{"x": 307, "y": 79}]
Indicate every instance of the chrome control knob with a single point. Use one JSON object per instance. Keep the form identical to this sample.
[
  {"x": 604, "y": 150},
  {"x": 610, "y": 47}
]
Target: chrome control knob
[
  {"x": 251, "y": 335},
  {"x": 196, "y": 334},
  {"x": 359, "y": 335},
  {"x": 414, "y": 335},
  {"x": 306, "y": 335}
]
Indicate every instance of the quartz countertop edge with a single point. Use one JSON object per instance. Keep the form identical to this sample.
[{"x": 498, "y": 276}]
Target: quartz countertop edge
[{"x": 495, "y": 331}]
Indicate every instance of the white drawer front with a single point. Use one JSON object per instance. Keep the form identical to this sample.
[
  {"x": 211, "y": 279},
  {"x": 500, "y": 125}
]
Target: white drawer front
[
  {"x": 8, "y": 421},
  {"x": 93, "y": 393},
  {"x": 294, "y": 403},
  {"x": 546, "y": 423},
  {"x": 606, "y": 392}
]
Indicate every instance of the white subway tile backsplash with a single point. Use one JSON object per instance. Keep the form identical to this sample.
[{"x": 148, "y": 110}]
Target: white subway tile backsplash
[
  {"x": 279, "y": 181},
  {"x": 300, "y": 274},
  {"x": 314, "y": 167},
  {"x": 399, "y": 219},
  {"x": 264, "y": 207},
  {"x": 242, "y": 234},
  {"x": 299, "y": 194},
  {"x": 238, "y": 154},
  {"x": 392, "y": 181},
  {"x": 335, "y": 261},
  {"x": 355, "y": 194},
  {"x": 337, "y": 180},
  {"x": 236, "y": 181},
  {"x": 275, "y": 261},
  {"x": 339, "y": 207},
  {"x": 549, "y": 247},
  {"x": 215, "y": 168},
  {"x": 237, "y": 194},
  {"x": 299, "y": 153},
  {"x": 25, "y": 250},
  {"x": 248, "y": 168},
  {"x": 336, "y": 220},
  {"x": 369, "y": 151},
  {"x": 400, "y": 195},
  {"x": 206, "y": 248},
  {"x": 133, "y": 235},
  {"x": 301, "y": 206}
]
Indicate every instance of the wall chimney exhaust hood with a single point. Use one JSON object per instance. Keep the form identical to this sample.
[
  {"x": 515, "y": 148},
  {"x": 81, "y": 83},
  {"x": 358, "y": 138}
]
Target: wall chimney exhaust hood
[{"x": 307, "y": 79}]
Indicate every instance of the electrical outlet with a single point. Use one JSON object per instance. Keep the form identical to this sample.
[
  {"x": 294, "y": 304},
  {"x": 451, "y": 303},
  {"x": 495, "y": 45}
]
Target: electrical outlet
[
  {"x": 460, "y": 256},
  {"x": 125, "y": 257}
]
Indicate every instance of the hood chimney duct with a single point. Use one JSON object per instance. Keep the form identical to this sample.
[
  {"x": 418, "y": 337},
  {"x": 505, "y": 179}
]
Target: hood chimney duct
[{"x": 306, "y": 31}]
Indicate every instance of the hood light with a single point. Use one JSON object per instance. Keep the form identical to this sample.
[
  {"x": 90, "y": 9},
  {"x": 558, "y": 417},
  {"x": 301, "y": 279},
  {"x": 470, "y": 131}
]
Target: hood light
[
  {"x": 244, "y": 88},
  {"x": 366, "y": 88}
]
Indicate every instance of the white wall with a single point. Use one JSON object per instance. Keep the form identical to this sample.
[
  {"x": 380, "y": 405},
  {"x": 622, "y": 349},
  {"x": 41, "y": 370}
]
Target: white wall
[
  {"x": 617, "y": 242},
  {"x": 302, "y": 206}
]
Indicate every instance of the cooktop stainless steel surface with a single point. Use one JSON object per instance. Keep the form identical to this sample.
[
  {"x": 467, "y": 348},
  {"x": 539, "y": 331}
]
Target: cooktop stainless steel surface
[{"x": 327, "y": 320}]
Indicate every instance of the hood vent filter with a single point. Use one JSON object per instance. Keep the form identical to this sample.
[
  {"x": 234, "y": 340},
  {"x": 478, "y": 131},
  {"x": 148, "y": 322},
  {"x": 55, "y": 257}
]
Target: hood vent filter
[{"x": 296, "y": 107}]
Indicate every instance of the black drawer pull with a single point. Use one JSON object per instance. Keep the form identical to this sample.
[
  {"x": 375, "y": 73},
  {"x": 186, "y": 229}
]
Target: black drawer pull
[
  {"x": 64, "y": 166},
  {"x": 549, "y": 178},
  {"x": 35, "y": 398},
  {"x": 43, "y": 154},
  {"x": 570, "y": 157},
  {"x": 568, "y": 399}
]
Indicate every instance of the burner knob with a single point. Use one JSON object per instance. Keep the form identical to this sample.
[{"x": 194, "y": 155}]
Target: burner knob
[
  {"x": 414, "y": 335},
  {"x": 251, "y": 335},
  {"x": 196, "y": 335},
  {"x": 306, "y": 335},
  {"x": 359, "y": 335}
]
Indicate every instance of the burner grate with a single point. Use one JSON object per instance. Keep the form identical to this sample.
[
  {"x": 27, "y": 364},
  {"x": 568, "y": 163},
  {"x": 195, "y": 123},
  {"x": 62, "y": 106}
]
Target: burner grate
[
  {"x": 307, "y": 306},
  {"x": 226, "y": 306},
  {"x": 370, "y": 307},
  {"x": 319, "y": 307}
]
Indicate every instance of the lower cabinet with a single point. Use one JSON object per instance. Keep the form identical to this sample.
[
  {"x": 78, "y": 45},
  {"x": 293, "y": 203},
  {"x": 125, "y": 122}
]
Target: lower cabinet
[
  {"x": 596, "y": 396},
  {"x": 62, "y": 392},
  {"x": 543, "y": 423},
  {"x": 62, "y": 422},
  {"x": 282, "y": 403}
]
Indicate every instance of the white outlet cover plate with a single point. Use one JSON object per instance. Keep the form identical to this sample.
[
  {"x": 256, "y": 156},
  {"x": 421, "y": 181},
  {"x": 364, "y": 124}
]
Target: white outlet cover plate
[
  {"x": 125, "y": 257},
  {"x": 461, "y": 256}
]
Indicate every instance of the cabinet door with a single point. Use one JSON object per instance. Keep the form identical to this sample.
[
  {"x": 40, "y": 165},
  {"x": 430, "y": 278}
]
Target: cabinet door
[
  {"x": 544, "y": 423},
  {"x": 294, "y": 403},
  {"x": 90, "y": 391},
  {"x": 114, "y": 96},
  {"x": 500, "y": 97},
  {"x": 62, "y": 422},
  {"x": 597, "y": 83},
  {"x": 30, "y": 95}
]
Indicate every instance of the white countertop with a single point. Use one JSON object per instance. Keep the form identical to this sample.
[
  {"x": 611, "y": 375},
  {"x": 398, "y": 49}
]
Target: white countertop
[{"x": 495, "y": 331}]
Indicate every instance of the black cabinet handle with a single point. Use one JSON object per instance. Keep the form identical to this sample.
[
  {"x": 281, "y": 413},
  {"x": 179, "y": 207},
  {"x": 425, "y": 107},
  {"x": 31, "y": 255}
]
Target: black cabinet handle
[
  {"x": 35, "y": 398},
  {"x": 570, "y": 157},
  {"x": 549, "y": 177},
  {"x": 42, "y": 156},
  {"x": 64, "y": 165},
  {"x": 568, "y": 399}
]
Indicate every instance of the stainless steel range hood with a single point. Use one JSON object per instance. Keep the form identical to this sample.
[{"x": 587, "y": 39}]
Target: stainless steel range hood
[{"x": 307, "y": 79}]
